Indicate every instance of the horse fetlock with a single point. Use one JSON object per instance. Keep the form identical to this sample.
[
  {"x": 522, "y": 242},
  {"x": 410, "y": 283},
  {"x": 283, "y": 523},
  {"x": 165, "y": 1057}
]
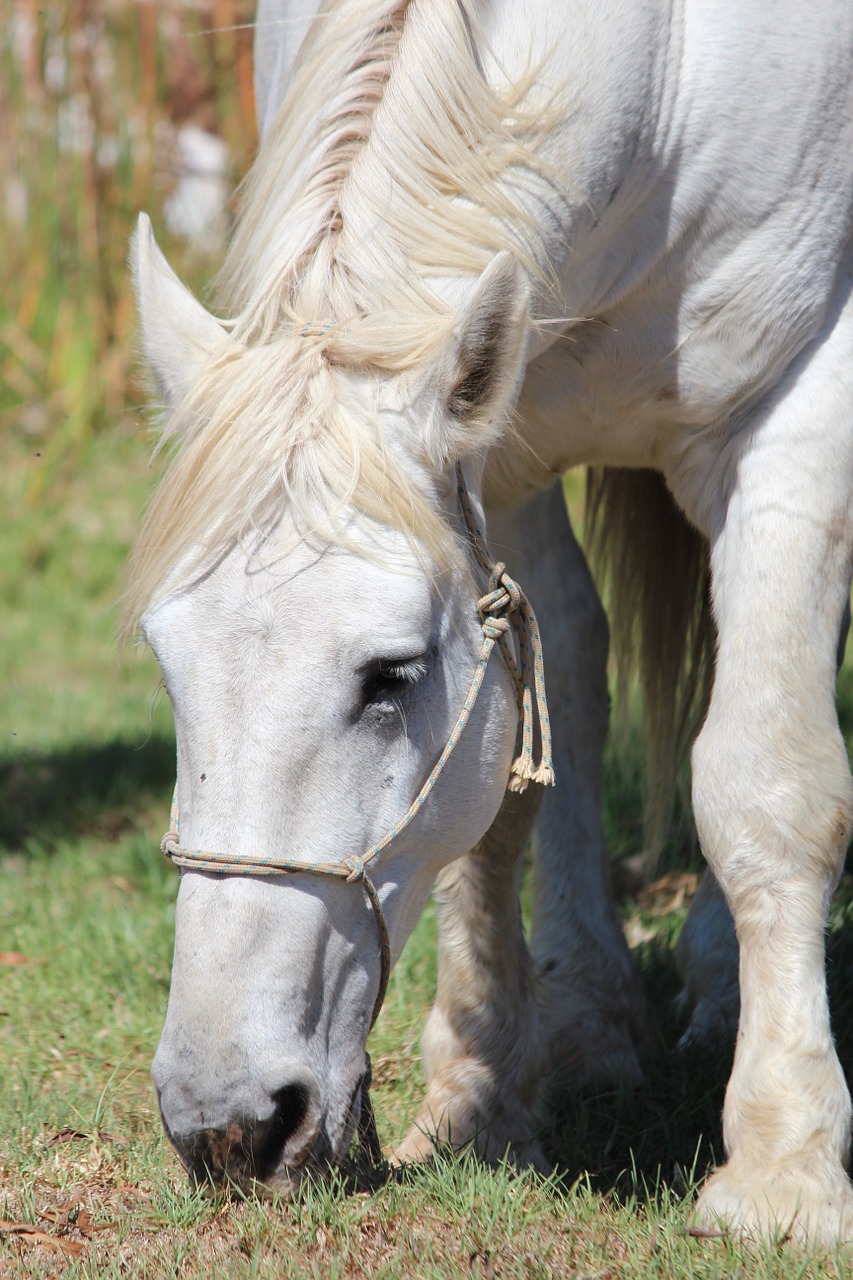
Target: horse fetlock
[
  {"x": 466, "y": 1108},
  {"x": 503, "y": 1050},
  {"x": 707, "y": 958},
  {"x": 483, "y": 1079},
  {"x": 712, "y": 1020},
  {"x": 795, "y": 1102}
]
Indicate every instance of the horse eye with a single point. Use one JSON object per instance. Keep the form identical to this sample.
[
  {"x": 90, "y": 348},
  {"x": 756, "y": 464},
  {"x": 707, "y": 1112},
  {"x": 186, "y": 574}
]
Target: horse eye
[{"x": 389, "y": 678}]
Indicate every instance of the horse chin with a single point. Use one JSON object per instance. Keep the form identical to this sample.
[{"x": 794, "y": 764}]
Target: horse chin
[
  {"x": 284, "y": 1182},
  {"x": 237, "y": 1174}
]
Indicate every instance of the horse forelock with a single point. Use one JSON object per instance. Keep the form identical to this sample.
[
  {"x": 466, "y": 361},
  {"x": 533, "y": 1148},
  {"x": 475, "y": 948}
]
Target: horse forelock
[
  {"x": 271, "y": 428},
  {"x": 406, "y": 152}
]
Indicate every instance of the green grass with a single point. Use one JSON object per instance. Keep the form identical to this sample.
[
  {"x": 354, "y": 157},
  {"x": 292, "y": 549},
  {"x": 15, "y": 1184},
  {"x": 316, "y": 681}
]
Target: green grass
[{"x": 86, "y": 768}]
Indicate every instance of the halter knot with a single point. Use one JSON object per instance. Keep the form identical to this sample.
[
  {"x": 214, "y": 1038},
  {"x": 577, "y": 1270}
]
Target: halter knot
[
  {"x": 494, "y": 628},
  {"x": 499, "y": 580},
  {"x": 503, "y": 596},
  {"x": 170, "y": 838},
  {"x": 355, "y": 866}
]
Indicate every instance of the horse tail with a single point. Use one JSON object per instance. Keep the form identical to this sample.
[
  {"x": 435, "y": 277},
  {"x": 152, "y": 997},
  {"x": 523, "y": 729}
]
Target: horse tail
[{"x": 654, "y": 567}]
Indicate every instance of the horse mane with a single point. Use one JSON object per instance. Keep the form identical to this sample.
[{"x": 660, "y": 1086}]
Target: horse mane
[{"x": 412, "y": 167}]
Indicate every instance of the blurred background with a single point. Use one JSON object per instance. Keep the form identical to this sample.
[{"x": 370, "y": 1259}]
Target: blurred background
[{"x": 107, "y": 107}]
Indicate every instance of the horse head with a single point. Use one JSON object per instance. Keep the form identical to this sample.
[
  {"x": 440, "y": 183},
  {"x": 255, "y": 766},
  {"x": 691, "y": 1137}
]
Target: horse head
[{"x": 318, "y": 658}]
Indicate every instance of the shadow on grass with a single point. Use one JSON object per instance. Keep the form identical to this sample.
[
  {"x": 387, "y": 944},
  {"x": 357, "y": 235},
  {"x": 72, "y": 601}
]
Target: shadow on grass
[
  {"x": 631, "y": 1141},
  {"x": 85, "y": 789},
  {"x": 668, "y": 1133}
]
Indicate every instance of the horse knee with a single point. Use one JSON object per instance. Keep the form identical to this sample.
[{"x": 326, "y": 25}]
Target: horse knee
[{"x": 772, "y": 808}]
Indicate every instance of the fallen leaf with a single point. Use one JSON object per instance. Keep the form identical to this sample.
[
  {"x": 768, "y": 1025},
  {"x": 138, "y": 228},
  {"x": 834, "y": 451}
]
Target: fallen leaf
[
  {"x": 28, "y": 1234},
  {"x": 636, "y": 933},
  {"x": 706, "y": 1233},
  {"x": 13, "y": 958},
  {"x": 61, "y": 1214},
  {"x": 114, "y": 1138},
  {"x": 74, "y": 1215},
  {"x": 670, "y": 892},
  {"x": 386, "y": 1070},
  {"x": 68, "y": 1135}
]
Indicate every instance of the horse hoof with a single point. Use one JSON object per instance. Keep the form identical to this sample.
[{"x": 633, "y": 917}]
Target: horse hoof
[{"x": 777, "y": 1207}]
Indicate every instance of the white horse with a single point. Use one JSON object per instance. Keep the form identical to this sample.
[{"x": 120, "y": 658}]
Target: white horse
[{"x": 518, "y": 237}]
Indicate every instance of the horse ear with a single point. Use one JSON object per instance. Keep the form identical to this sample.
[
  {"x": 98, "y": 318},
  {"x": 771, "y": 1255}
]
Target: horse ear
[
  {"x": 483, "y": 363},
  {"x": 178, "y": 336}
]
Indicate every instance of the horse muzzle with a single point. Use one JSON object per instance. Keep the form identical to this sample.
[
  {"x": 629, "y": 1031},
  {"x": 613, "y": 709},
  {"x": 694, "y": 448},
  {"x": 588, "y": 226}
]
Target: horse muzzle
[{"x": 271, "y": 1143}]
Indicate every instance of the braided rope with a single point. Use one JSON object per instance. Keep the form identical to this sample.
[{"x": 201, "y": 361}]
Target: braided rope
[
  {"x": 529, "y": 646},
  {"x": 503, "y": 597}
]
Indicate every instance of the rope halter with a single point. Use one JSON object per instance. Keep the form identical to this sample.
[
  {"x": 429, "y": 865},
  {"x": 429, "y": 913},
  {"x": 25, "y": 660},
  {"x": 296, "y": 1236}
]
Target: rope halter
[{"x": 502, "y": 609}]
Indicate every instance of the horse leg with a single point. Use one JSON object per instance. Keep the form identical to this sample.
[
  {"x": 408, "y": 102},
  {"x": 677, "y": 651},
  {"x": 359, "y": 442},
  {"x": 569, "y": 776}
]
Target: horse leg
[
  {"x": 707, "y": 949},
  {"x": 499, "y": 1019},
  {"x": 773, "y": 796},
  {"x": 587, "y": 987},
  {"x": 482, "y": 1045}
]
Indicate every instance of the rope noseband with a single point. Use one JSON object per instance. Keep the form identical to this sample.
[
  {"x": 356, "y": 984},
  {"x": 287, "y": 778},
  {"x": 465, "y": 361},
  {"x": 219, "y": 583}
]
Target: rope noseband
[{"x": 504, "y": 606}]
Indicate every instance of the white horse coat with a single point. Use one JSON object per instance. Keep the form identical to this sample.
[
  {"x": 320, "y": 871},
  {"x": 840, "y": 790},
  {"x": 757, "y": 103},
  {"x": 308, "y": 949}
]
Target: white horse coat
[{"x": 664, "y": 196}]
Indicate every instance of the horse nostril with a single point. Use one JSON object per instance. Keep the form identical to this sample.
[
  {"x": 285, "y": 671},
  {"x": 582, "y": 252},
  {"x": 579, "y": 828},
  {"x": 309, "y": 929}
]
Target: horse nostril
[
  {"x": 291, "y": 1108},
  {"x": 289, "y": 1134}
]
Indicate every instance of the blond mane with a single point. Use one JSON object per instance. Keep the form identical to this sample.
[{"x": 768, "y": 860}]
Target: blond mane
[{"x": 390, "y": 162}]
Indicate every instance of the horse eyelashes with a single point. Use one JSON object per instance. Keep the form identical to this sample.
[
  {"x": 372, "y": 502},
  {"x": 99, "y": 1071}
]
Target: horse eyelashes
[
  {"x": 409, "y": 670},
  {"x": 389, "y": 679}
]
